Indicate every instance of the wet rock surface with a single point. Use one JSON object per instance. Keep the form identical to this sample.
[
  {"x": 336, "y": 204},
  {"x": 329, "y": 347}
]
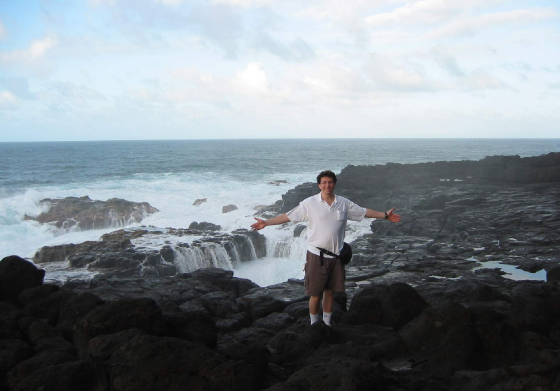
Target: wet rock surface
[
  {"x": 148, "y": 252},
  {"x": 84, "y": 213},
  {"x": 417, "y": 313}
]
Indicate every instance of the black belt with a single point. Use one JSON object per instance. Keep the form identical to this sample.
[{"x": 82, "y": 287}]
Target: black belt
[{"x": 323, "y": 251}]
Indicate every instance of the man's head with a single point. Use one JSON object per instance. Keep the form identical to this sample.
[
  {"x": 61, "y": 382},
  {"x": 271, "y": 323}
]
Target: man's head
[
  {"x": 326, "y": 180},
  {"x": 326, "y": 174}
]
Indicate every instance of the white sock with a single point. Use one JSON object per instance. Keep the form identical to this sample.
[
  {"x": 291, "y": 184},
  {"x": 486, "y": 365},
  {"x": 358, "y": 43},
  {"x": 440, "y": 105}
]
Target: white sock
[
  {"x": 314, "y": 317},
  {"x": 327, "y": 318}
]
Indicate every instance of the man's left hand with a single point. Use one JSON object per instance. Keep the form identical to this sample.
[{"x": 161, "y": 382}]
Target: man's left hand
[{"x": 393, "y": 217}]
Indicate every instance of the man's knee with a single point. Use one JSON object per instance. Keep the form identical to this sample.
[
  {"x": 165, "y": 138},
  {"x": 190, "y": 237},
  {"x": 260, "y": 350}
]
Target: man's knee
[{"x": 314, "y": 299}]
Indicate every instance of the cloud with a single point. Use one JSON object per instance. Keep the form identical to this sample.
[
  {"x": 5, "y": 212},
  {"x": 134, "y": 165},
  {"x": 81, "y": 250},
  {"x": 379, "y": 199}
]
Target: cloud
[
  {"x": 424, "y": 11},
  {"x": 252, "y": 79},
  {"x": 36, "y": 50},
  {"x": 170, "y": 2},
  {"x": 7, "y": 100},
  {"x": 342, "y": 10},
  {"x": 297, "y": 50},
  {"x": 447, "y": 62},
  {"x": 244, "y": 3},
  {"x": 78, "y": 93},
  {"x": 332, "y": 80},
  {"x": 472, "y": 25},
  {"x": 482, "y": 80},
  {"x": 70, "y": 98},
  {"x": 18, "y": 86},
  {"x": 103, "y": 2},
  {"x": 386, "y": 73}
]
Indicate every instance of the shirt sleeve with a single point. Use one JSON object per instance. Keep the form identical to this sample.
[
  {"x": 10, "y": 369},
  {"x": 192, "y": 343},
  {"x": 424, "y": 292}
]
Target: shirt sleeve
[
  {"x": 298, "y": 214},
  {"x": 355, "y": 212}
]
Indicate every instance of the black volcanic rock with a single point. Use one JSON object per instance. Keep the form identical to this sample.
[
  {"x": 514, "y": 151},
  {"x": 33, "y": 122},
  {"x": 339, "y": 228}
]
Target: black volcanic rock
[
  {"x": 435, "y": 334},
  {"x": 443, "y": 340},
  {"x": 66, "y": 375},
  {"x": 143, "y": 314},
  {"x": 121, "y": 252},
  {"x": 204, "y": 226},
  {"x": 257, "y": 243},
  {"x": 553, "y": 275},
  {"x": 339, "y": 374},
  {"x": 16, "y": 275},
  {"x": 85, "y": 213},
  {"x": 353, "y": 180},
  {"x": 171, "y": 363},
  {"x": 13, "y": 351},
  {"x": 393, "y": 305}
]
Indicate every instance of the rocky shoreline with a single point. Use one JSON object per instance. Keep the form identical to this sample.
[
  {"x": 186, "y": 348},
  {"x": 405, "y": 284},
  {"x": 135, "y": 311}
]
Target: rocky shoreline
[{"x": 419, "y": 312}]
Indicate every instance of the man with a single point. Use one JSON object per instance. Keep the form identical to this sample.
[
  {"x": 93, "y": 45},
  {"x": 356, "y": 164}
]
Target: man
[{"x": 326, "y": 215}]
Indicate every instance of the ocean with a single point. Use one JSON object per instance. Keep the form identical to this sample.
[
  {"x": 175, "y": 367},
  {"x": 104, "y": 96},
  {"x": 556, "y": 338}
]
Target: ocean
[{"x": 170, "y": 175}]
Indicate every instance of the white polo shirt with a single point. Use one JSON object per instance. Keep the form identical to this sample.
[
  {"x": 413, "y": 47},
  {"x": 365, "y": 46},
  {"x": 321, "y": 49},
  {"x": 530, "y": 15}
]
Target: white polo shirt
[{"x": 326, "y": 223}]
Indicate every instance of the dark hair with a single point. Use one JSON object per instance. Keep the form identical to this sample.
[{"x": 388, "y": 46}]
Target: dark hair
[{"x": 327, "y": 173}]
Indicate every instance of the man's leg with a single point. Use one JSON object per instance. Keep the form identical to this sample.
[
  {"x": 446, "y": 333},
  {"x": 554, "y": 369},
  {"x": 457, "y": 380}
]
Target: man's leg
[
  {"x": 328, "y": 300},
  {"x": 327, "y": 306},
  {"x": 314, "y": 308},
  {"x": 315, "y": 280}
]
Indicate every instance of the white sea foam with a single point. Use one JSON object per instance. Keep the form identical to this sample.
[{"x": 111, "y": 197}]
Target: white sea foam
[{"x": 172, "y": 194}]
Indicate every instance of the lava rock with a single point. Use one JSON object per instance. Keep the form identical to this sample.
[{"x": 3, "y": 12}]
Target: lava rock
[
  {"x": 392, "y": 305},
  {"x": 108, "y": 318},
  {"x": 338, "y": 374},
  {"x": 443, "y": 340},
  {"x": 199, "y": 201},
  {"x": 204, "y": 226},
  {"x": 66, "y": 375},
  {"x": 228, "y": 208},
  {"x": 16, "y": 275},
  {"x": 553, "y": 274}
]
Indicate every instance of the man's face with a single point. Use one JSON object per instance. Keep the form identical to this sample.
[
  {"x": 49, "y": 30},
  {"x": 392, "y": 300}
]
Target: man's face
[{"x": 327, "y": 185}]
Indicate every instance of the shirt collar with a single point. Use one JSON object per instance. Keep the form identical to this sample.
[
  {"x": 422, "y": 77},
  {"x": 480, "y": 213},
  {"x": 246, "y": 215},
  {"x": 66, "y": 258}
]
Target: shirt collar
[{"x": 320, "y": 199}]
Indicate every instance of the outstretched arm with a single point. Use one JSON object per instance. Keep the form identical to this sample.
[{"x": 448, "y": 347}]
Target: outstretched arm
[
  {"x": 389, "y": 215},
  {"x": 260, "y": 224}
]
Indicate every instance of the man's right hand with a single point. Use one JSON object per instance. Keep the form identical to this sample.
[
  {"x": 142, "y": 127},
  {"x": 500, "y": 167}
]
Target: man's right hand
[{"x": 260, "y": 224}]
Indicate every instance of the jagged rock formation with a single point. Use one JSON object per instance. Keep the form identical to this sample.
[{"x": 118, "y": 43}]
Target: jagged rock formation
[
  {"x": 84, "y": 213},
  {"x": 123, "y": 252},
  {"x": 362, "y": 183}
]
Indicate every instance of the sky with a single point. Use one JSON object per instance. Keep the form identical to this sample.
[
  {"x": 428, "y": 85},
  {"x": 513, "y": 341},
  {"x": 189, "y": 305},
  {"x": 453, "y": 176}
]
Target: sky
[{"x": 172, "y": 69}]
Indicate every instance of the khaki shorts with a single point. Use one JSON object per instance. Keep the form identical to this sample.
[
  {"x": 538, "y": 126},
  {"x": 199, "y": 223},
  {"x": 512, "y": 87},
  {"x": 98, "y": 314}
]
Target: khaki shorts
[{"x": 330, "y": 275}]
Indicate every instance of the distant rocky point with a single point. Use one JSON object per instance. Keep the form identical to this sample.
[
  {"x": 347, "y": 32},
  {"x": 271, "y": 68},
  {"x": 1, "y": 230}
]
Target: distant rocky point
[
  {"x": 84, "y": 213},
  {"x": 362, "y": 183}
]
